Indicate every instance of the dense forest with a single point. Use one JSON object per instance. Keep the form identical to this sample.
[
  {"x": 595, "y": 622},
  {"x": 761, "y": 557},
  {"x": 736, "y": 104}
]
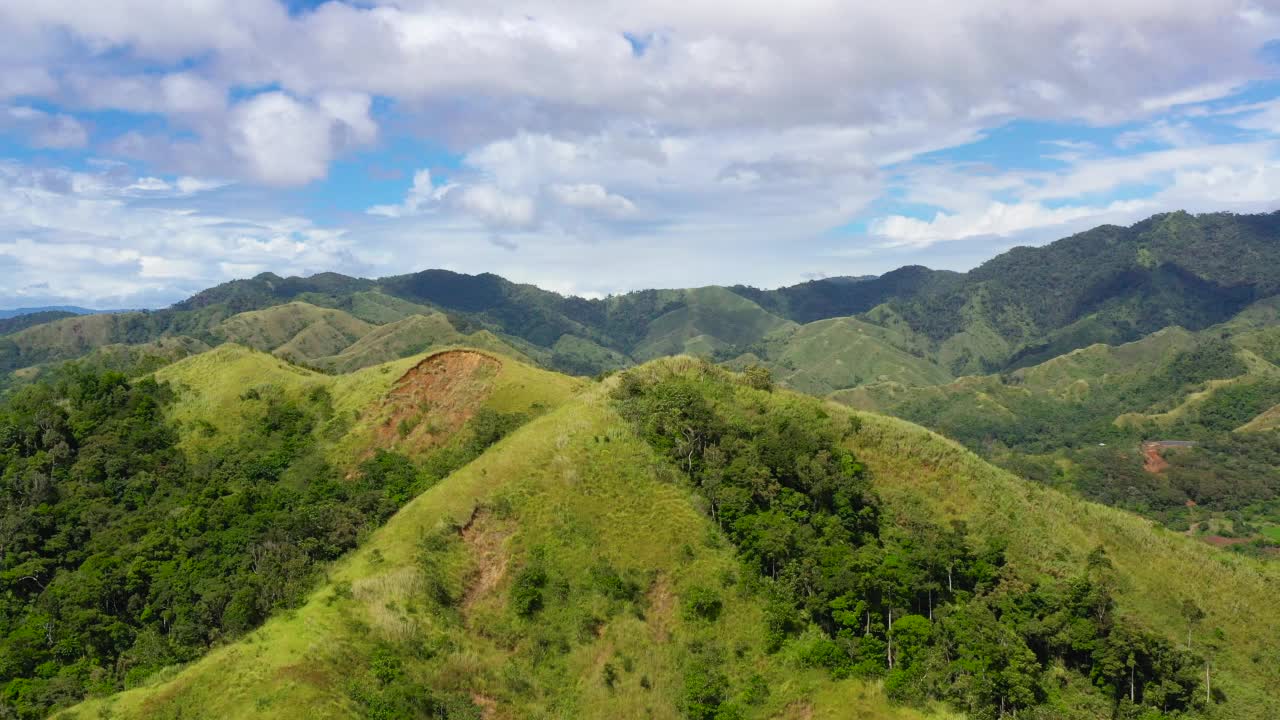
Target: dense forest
[{"x": 122, "y": 553}]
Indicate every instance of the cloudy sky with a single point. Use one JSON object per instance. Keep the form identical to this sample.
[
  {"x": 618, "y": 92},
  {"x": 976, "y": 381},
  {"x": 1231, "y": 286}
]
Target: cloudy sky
[{"x": 151, "y": 148}]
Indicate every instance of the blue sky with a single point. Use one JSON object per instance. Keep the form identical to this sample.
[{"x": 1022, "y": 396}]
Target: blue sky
[{"x": 150, "y": 149}]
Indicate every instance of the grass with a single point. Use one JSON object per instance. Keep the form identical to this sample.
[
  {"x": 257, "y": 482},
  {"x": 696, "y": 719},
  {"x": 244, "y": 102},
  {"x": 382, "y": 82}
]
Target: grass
[
  {"x": 297, "y": 330},
  {"x": 712, "y": 318},
  {"x": 829, "y": 355},
  {"x": 210, "y": 388},
  {"x": 1051, "y": 533},
  {"x": 1269, "y": 420},
  {"x": 1095, "y": 363},
  {"x": 575, "y": 489},
  {"x": 406, "y": 337}
]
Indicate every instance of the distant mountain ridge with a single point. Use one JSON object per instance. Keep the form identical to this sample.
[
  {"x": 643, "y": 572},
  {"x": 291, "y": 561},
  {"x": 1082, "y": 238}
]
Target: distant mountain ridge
[
  {"x": 1110, "y": 284},
  {"x": 71, "y": 309}
]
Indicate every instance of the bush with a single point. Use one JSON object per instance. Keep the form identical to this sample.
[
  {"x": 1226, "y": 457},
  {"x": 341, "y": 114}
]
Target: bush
[
  {"x": 526, "y": 592},
  {"x": 702, "y": 603}
]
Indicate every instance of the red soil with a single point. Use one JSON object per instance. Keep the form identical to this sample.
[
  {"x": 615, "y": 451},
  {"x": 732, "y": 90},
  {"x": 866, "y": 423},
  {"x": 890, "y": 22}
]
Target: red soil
[
  {"x": 1154, "y": 462},
  {"x": 435, "y": 398}
]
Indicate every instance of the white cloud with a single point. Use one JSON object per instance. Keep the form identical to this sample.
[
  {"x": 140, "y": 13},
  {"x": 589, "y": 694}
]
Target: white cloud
[
  {"x": 494, "y": 207},
  {"x": 1242, "y": 177},
  {"x": 422, "y": 196},
  {"x": 998, "y": 219},
  {"x": 737, "y": 143},
  {"x": 590, "y": 196},
  {"x": 286, "y": 141},
  {"x": 475, "y": 71},
  {"x": 121, "y": 241},
  {"x": 180, "y": 93}
]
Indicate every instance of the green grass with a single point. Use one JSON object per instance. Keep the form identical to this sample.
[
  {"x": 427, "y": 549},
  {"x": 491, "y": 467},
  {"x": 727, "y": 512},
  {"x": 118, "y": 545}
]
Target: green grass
[
  {"x": 210, "y": 387},
  {"x": 1269, "y": 420},
  {"x": 410, "y": 336},
  {"x": 297, "y": 330},
  {"x": 1096, "y": 363},
  {"x": 380, "y": 308},
  {"x": 574, "y": 487},
  {"x": 830, "y": 355}
]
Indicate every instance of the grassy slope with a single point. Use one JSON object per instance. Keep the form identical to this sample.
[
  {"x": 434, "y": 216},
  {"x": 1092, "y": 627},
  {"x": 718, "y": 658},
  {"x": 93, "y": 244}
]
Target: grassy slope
[
  {"x": 1093, "y": 364},
  {"x": 575, "y": 483},
  {"x": 380, "y": 308},
  {"x": 210, "y": 385},
  {"x": 1051, "y": 533},
  {"x": 830, "y": 355},
  {"x": 711, "y": 319},
  {"x": 1072, "y": 376},
  {"x": 68, "y": 338},
  {"x": 409, "y": 336},
  {"x": 297, "y": 330}
]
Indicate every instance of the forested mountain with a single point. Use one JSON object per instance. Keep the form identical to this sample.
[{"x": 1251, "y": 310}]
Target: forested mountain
[
  {"x": 1110, "y": 284},
  {"x": 401, "y": 498}
]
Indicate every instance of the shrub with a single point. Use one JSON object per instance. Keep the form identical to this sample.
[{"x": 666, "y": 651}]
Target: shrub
[
  {"x": 526, "y": 593},
  {"x": 701, "y": 603}
]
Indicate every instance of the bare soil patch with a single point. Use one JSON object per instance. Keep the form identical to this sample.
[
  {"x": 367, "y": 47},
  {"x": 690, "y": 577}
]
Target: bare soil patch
[
  {"x": 485, "y": 538},
  {"x": 1153, "y": 462},
  {"x": 435, "y": 398}
]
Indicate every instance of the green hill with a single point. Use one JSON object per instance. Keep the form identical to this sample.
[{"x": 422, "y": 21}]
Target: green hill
[
  {"x": 709, "y": 321},
  {"x": 1077, "y": 421},
  {"x": 829, "y": 355},
  {"x": 1107, "y": 285},
  {"x": 591, "y": 515},
  {"x": 412, "y": 335},
  {"x": 609, "y": 559},
  {"x": 10, "y": 325},
  {"x": 297, "y": 330},
  {"x": 1268, "y": 420},
  {"x": 343, "y": 497}
]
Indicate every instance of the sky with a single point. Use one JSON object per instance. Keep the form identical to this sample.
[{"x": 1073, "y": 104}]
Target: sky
[{"x": 152, "y": 148}]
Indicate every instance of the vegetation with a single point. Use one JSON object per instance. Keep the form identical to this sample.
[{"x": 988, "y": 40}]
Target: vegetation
[
  {"x": 799, "y": 509},
  {"x": 1079, "y": 421},
  {"x": 360, "y": 518},
  {"x": 1110, "y": 284},
  {"x": 124, "y": 555}
]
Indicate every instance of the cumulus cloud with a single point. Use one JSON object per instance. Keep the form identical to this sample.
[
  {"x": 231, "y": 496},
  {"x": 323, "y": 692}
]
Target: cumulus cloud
[
  {"x": 286, "y": 141},
  {"x": 494, "y": 206},
  {"x": 544, "y": 65},
  {"x": 755, "y": 145},
  {"x": 591, "y": 196},
  {"x": 422, "y": 196},
  {"x": 1242, "y": 177},
  {"x": 105, "y": 238},
  {"x": 999, "y": 219}
]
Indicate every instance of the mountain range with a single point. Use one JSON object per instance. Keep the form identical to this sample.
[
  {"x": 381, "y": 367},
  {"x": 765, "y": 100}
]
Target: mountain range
[{"x": 445, "y": 495}]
